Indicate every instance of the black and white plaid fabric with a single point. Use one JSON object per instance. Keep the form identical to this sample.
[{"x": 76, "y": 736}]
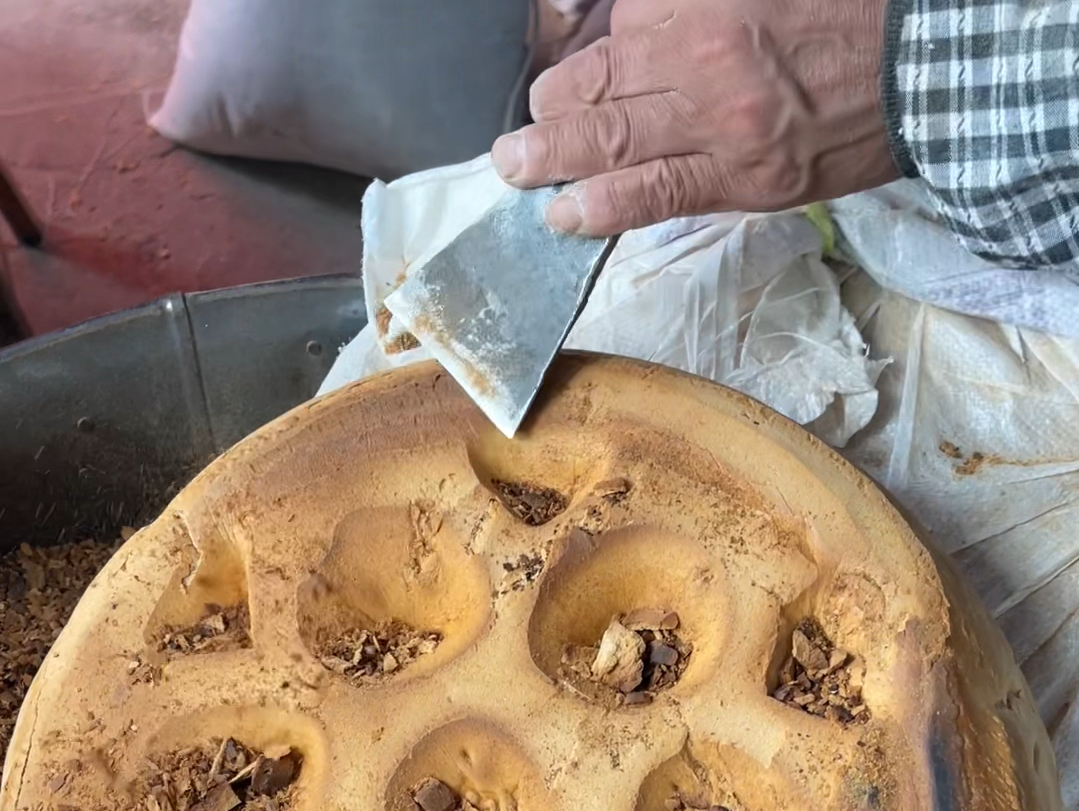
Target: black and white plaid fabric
[{"x": 982, "y": 101}]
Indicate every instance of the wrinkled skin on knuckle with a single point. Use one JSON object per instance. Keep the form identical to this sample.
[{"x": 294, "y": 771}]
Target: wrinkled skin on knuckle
[
  {"x": 665, "y": 192},
  {"x": 617, "y": 136},
  {"x": 561, "y": 88},
  {"x": 752, "y": 119},
  {"x": 596, "y": 141},
  {"x": 712, "y": 184},
  {"x": 578, "y": 146},
  {"x": 709, "y": 43},
  {"x": 686, "y": 115},
  {"x": 673, "y": 122},
  {"x": 593, "y": 73},
  {"x": 546, "y": 91},
  {"x": 582, "y": 80},
  {"x": 625, "y": 200},
  {"x": 721, "y": 186}
]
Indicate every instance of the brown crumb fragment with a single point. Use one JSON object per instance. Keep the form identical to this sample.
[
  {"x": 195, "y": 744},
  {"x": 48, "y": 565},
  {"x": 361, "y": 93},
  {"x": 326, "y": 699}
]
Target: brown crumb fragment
[
  {"x": 532, "y": 504},
  {"x": 969, "y": 465},
  {"x": 822, "y": 679},
  {"x": 639, "y": 655},
  {"x": 220, "y": 629},
  {"x": 365, "y": 655},
  {"x": 604, "y": 497},
  {"x": 382, "y": 320},
  {"x": 950, "y": 449},
  {"x": 972, "y": 464},
  {"x": 146, "y": 667},
  {"x": 404, "y": 342},
  {"x": 520, "y": 573},
  {"x": 221, "y": 775}
]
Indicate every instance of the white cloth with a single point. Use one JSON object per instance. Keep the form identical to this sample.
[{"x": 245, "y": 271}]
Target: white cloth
[
  {"x": 894, "y": 234},
  {"x": 743, "y": 300}
]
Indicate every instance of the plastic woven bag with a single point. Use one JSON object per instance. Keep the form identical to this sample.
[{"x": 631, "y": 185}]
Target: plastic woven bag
[{"x": 977, "y": 436}]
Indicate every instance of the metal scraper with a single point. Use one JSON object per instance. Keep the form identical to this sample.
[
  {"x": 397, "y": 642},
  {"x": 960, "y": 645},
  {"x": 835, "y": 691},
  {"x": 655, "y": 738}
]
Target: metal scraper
[{"x": 495, "y": 305}]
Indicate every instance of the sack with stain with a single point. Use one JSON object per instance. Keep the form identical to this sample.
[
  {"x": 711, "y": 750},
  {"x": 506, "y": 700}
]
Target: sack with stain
[{"x": 977, "y": 436}]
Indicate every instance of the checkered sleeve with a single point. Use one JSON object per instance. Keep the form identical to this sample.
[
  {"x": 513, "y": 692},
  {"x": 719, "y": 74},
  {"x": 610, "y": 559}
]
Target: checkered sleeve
[{"x": 981, "y": 99}]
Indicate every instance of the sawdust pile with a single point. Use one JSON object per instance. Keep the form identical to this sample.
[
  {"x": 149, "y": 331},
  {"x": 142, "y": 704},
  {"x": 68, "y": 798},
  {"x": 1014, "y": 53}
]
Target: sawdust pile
[
  {"x": 822, "y": 679},
  {"x": 639, "y": 655},
  {"x": 364, "y": 655},
  {"x": 220, "y": 629},
  {"x": 39, "y": 588},
  {"x": 223, "y": 775}
]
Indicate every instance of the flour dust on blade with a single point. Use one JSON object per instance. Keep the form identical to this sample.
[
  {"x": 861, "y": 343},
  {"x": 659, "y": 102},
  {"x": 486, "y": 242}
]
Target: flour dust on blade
[{"x": 495, "y": 306}]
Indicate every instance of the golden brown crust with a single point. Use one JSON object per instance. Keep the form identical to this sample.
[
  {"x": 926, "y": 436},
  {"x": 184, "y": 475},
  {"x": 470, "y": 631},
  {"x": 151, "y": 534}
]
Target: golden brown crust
[{"x": 383, "y": 502}]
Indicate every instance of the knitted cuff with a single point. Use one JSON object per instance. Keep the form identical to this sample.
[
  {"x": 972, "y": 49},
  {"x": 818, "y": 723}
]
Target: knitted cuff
[{"x": 890, "y": 99}]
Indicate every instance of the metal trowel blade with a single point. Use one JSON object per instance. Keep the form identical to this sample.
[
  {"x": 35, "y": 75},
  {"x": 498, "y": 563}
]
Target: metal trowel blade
[{"x": 495, "y": 305}]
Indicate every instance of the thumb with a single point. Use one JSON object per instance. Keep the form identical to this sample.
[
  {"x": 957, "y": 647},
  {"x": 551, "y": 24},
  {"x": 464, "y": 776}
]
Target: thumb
[{"x": 639, "y": 196}]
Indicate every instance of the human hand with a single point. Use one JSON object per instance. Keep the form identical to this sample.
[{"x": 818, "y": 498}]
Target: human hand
[{"x": 692, "y": 106}]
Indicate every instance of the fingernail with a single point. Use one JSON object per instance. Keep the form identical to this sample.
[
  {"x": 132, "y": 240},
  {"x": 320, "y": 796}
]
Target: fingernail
[
  {"x": 564, "y": 212},
  {"x": 508, "y": 155}
]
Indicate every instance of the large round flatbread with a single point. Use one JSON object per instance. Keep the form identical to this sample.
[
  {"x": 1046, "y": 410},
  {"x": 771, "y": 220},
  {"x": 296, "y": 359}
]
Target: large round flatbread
[{"x": 393, "y": 499}]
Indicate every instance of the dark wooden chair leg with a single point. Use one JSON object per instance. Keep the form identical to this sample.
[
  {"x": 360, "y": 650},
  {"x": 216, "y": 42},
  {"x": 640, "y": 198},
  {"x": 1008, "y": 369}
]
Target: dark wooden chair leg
[
  {"x": 15, "y": 211},
  {"x": 13, "y": 327}
]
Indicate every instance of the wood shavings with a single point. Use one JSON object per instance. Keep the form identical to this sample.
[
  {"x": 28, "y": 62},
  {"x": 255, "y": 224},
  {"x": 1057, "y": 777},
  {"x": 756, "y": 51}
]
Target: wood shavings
[
  {"x": 532, "y": 504},
  {"x": 39, "y": 588},
  {"x": 521, "y": 573},
  {"x": 681, "y": 803}
]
